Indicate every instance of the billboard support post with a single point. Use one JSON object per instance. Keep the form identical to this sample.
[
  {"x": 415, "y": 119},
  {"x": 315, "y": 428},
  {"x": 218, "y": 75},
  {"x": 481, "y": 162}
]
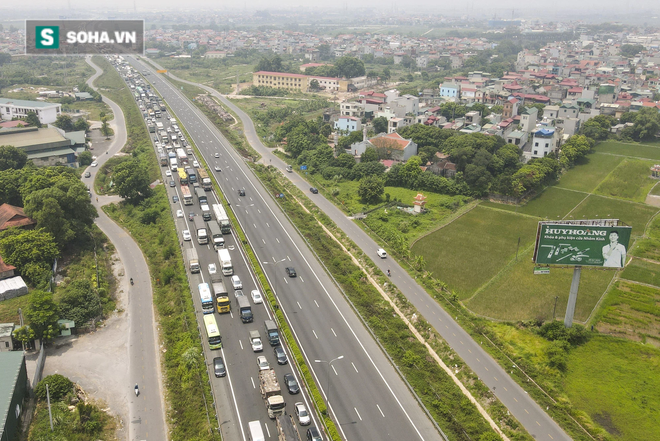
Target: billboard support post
[{"x": 572, "y": 297}]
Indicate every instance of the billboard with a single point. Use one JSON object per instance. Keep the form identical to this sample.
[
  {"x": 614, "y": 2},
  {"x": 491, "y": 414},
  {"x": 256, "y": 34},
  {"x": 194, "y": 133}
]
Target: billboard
[{"x": 599, "y": 242}]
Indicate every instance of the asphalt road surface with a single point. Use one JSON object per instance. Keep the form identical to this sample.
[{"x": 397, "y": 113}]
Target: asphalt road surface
[
  {"x": 146, "y": 414},
  {"x": 366, "y": 394},
  {"x": 535, "y": 420}
]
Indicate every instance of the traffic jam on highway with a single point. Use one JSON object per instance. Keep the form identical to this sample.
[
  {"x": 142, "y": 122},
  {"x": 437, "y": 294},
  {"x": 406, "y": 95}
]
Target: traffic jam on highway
[{"x": 224, "y": 288}]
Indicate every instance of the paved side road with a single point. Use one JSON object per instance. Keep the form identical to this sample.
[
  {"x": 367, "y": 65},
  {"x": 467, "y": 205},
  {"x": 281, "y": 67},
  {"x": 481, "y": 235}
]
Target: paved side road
[
  {"x": 535, "y": 420},
  {"x": 110, "y": 362}
]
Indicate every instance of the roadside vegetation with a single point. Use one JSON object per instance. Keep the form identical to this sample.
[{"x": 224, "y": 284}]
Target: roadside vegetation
[
  {"x": 74, "y": 417},
  {"x": 145, "y": 214}
]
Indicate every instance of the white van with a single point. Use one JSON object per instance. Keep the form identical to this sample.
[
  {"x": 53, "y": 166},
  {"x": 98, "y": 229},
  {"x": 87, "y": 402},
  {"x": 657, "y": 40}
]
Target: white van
[{"x": 256, "y": 432}]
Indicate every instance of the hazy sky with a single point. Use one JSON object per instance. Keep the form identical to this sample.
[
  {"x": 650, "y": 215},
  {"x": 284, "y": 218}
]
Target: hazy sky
[{"x": 503, "y": 8}]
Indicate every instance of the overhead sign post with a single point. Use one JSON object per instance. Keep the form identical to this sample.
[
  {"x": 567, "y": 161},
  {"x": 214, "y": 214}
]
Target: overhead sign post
[{"x": 597, "y": 243}]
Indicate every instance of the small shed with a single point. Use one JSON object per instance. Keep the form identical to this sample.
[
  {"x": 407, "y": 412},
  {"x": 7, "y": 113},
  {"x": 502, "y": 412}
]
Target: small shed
[
  {"x": 12, "y": 287},
  {"x": 6, "y": 340},
  {"x": 66, "y": 326}
]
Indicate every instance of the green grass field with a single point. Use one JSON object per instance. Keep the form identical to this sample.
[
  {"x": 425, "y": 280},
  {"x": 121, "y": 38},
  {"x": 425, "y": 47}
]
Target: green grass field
[
  {"x": 518, "y": 294},
  {"x": 643, "y": 151},
  {"x": 649, "y": 246},
  {"x": 642, "y": 271},
  {"x": 630, "y": 180},
  {"x": 630, "y": 310},
  {"x": 472, "y": 249},
  {"x": 589, "y": 172},
  {"x": 598, "y": 207},
  {"x": 553, "y": 204},
  {"x": 617, "y": 383}
]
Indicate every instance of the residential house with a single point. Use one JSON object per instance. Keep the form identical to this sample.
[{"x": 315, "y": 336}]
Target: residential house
[
  {"x": 544, "y": 141},
  {"x": 351, "y": 108},
  {"x": 348, "y": 124},
  {"x": 6, "y": 339},
  {"x": 450, "y": 90},
  {"x": 11, "y": 216},
  {"x": 510, "y": 108},
  {"x": 395, "y": 146},
  {"x": 528, "y": 119}
]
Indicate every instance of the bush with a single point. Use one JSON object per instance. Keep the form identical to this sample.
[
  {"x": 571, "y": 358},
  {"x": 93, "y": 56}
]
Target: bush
[
  {"x": 58, "y": 387},
  {"x": 556, "y": 331}
]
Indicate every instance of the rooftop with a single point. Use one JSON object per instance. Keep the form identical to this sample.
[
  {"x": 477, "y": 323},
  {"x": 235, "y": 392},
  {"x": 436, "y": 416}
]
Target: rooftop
[{"x": 25, "y": 103}]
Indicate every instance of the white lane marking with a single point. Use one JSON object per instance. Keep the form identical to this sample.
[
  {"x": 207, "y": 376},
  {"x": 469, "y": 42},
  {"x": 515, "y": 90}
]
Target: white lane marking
[
  {"x": 317, "y": 304},
  {"x": 380, "y": 410},
  {"x": 287, "y": 282},
  {"x": 253, "y": 385},
  {"x": 301, "y": 279},
  {"x": 358, "y": 413},
  {"x": 334, "y": 370},
  {"x": 240, "y": 343},
  {"x": 288, "y": 258},
  {"x": 263, "y": 241},
  {"x": 267, "y": 429},
  {"x": 314, "y": 332},
  {"x": 373, "y": 363},
  {"x": 278, "y": 241},
  {"x": 298, "y": 303},
  {"x": 254, "y": 225},
  {"x": 333, "y": 331},
  {"x": 354, "y": 367},
  {"x": 267, "y": 224}
]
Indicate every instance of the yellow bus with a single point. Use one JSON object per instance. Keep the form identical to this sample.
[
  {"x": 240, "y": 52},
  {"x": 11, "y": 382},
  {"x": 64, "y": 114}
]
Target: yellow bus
[{"x": 212, "y": 332}]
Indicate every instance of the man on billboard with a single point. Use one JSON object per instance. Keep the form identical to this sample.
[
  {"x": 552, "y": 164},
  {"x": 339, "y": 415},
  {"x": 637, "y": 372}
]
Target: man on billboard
[{"x": 614, "y": 253}]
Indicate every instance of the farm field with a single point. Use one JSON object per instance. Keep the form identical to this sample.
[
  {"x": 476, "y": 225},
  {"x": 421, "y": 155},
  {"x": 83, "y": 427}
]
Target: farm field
[
  {"x": 589, "y": 172},
  {"x": 643, "y": 151},
  {"x": 642, "y": 271},
  {"x": 553, "y": 204},
  {"x": 598, "y": 207},
  {"x": 617, "y": 383},
  {"x": 630, "y": 180},
  {"x": 475, "y": 247},
  {"x": 532, "y": 296}
]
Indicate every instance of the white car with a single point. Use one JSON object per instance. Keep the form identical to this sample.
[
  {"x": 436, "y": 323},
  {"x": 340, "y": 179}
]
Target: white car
[
  {"x": 173, "y": 120},
  {"x": 212, "y": 268},
  {"x": 168, "y": 173},
  {"x": 381, "y": 253},
  {"x": 236, "y": 282},
  {"x": 217, "y": 155},
  {"x": 195, "y": 164},
  {"x": 186, "y": 235},
  {"x": 262, "y": 363},
  {"x": 301, "y": 412},
  {"x": 179, "y": 213},
  {"x": 256, "y": 297},
  {"x": 94, "y": 164}
]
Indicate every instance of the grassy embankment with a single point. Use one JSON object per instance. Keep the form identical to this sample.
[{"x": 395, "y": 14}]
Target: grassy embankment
[{"x": 188, "y": 393}]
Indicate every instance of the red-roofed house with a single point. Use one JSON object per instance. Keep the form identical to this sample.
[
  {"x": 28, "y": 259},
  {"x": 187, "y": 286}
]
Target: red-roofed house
[
  {"x": 11, "y": 216},
  {"x": 6, "y": 270},
  {"x": 393, "y": 145}
]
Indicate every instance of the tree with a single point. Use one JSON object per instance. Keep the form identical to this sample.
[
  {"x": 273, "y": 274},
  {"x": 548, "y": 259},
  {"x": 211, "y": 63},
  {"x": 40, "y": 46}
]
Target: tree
[
  {"x": 647, "y": 124},
  {"x": 59, "y": 202},
  {"x": 349, "y": 67},
  {"x": 314, "y": 85},
  {"x": 58, "y": 387},
  {"x": 32, "y": 252},
  {"x": 105, "y": 127},
  {"x": 32, "y": 119},
  {"x": 132, "y": 180},
  {"x": 81, "y": 124},
  {"x": 80, "y": 302},
  {"x": 410, "y": 171},
  {"x": 42, "y": 315},
  {"x": 630, "y": 50},
  {"x": 64, "y": 122},
  {"x": 344, "y": 160},
  {"x": 387, "y": 74},
  {"x": 12, "y": 158},
  {"x": 325, "y": 52},
  {"x": 380, "y": 124},
  {"x": 371, "y": 188},
  {"x": 85, "y": 158},
  {"x": 370, "y": 155}
]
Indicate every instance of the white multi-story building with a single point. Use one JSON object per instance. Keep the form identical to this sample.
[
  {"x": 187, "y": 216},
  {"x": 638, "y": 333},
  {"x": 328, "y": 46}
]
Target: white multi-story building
[{"x": 11, "y": 108}]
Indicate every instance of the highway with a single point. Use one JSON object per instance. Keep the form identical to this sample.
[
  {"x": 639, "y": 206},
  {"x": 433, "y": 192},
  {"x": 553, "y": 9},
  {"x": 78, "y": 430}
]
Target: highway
[
  {"x": 366, "y": 394},
  {"x": 535, "y": 420}
]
